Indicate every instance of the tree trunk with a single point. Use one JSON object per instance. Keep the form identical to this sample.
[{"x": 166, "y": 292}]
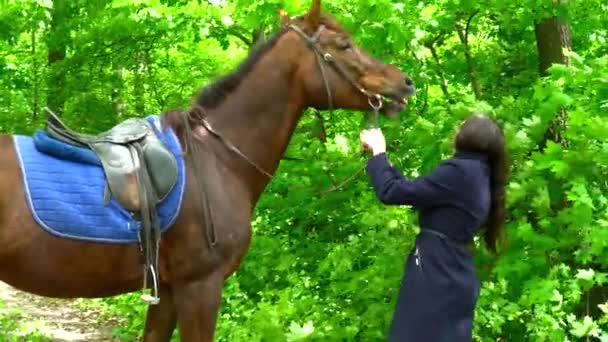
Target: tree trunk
[
  {"x": 552, "y": 35},
  {"x": 117, "y": 98},
  {"x": 463, "y": 35},
  {"x": 319, "y": 130},
  {"x": 57, "y": 45},
  {"x": 34, "y": 74},
  {"x": 257, "y": 36},
  {"x": 139, "y": 82}
]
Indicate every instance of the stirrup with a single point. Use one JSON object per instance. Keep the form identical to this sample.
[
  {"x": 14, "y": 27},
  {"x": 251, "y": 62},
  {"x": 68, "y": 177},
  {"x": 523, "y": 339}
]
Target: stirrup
[{"x": 147, "y": 298}]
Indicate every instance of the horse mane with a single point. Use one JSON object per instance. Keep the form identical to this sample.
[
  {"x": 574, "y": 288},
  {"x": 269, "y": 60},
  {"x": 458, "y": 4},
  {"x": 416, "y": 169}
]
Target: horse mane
[{"x": 215, "y": 93}]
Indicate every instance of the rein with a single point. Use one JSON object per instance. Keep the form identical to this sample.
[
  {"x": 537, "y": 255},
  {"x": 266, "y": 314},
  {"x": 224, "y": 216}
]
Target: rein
[{"x": 233, "y": 148}]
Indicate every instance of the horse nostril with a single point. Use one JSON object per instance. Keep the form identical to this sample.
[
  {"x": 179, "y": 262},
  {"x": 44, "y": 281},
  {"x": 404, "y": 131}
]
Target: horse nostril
[{"x": 409, "y": 81}]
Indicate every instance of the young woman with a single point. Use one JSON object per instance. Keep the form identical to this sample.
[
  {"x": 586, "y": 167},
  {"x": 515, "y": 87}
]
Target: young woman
[{"x": 462, "y": 195}]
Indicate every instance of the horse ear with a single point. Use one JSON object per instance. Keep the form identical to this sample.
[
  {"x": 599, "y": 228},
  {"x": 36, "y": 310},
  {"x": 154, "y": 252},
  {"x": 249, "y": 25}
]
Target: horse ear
[
  {"x": 314, "y": 14},
  {"x": 285, "y": 20}
]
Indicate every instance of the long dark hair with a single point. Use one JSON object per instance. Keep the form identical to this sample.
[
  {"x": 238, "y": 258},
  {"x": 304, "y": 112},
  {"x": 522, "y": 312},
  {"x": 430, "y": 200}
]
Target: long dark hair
[{"x": 482, "y": 134}]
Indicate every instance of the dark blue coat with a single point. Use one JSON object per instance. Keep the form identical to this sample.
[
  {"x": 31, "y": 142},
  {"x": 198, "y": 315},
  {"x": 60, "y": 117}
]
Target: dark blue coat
[{"x": 439, "y": 290}]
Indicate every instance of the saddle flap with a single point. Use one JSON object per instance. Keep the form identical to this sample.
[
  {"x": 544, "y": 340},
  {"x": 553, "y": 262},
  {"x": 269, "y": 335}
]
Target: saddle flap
[
  {"x": 119, "y": 167},
  {"x": 161, "y": 165}
]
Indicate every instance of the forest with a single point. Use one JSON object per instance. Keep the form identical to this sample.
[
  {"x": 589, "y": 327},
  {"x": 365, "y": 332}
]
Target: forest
[{"x": 326, "y": 258}]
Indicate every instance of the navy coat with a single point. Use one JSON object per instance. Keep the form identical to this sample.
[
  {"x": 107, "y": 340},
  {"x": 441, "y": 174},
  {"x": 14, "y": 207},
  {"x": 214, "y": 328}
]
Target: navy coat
[{"x": 440, "y": 289}]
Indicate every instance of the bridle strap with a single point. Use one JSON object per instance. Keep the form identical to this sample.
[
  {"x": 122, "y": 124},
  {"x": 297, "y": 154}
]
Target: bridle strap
[
  {"x": 329, "y": 59},
  {"x": 192, "y": 150}
]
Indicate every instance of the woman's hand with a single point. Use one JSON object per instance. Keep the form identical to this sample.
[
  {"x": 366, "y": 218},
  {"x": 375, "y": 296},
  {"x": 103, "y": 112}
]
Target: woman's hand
[{"x": 373, "y": 139}]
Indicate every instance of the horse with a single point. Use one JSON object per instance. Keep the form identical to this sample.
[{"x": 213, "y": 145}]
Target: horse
[{"x": 232, "y": 138}]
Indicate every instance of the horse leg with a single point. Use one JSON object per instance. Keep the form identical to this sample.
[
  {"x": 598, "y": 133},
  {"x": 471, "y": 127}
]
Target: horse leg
[
  {"x": 161, "y": 318},
  {"x": 197, "y": 303}
]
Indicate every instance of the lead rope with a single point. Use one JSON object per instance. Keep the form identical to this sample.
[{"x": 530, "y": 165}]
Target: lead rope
[{"x": 376, "y": 111}]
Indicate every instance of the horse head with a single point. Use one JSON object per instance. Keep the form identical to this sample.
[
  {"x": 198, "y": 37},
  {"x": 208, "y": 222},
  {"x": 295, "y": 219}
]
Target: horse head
[{"x": 336, "y": 73}]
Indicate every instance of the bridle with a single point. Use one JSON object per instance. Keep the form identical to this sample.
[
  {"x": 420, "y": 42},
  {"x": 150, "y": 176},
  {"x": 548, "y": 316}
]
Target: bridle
[{"x": 326, "y": 57}]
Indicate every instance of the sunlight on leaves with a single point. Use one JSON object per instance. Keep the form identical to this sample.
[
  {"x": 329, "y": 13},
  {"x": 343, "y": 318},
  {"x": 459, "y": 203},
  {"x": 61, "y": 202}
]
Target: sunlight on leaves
[{"x": 300, "y": 332}]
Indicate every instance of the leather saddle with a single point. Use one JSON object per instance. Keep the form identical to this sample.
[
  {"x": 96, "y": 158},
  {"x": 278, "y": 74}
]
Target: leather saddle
[
  {"x": 125, "y": 151},
  {"x": 140, "y": 172}
]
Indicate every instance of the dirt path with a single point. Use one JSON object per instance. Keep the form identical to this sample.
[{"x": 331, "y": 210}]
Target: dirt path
[{"x": 58, "y": 319}]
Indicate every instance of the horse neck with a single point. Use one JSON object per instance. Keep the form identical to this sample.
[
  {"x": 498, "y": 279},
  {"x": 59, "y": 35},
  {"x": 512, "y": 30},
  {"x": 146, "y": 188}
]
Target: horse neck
[{"x": 259, "y": 118}]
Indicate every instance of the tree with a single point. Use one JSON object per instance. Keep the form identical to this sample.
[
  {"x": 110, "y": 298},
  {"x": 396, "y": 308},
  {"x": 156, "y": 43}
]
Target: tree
[{"x": 57, "y": 41}]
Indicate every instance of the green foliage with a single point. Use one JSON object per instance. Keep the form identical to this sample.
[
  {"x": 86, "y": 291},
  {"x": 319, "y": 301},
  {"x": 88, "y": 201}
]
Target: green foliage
[
  {"x": 14, "y": 329},
  {"x": 326, "y": 266}
]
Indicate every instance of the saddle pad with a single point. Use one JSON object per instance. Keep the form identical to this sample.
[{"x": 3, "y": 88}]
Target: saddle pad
[{"x": 66, "y": 197}]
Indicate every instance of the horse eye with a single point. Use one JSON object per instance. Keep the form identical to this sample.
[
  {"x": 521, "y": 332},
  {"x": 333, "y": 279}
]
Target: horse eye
[{"x": 345, "y": 45}]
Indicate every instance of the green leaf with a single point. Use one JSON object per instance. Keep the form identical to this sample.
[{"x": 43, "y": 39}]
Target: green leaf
[
  {"x": 585, "y": 328},
  {"x": 45, "y": 3},
  {"x": 585, "y": 274}
]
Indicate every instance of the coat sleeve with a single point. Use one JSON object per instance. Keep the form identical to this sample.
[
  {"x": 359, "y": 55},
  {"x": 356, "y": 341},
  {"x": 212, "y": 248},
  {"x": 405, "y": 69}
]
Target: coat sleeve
[{"x": 391, "y": 187}]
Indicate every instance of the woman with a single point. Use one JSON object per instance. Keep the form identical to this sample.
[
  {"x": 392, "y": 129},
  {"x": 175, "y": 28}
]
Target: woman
[{"x": 439, "y": 292}]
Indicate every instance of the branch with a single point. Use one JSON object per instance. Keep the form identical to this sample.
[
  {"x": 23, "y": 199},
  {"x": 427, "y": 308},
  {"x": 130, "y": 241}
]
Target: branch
[
  {"x": 463, "y": 34},
  {"x": 430, "y": 44},
  {"x": 468, "y": 26},
  {"x": 118, "y": 45},
  {"x": 240, "y": 35},
  {"x": 293, "y": 158}
]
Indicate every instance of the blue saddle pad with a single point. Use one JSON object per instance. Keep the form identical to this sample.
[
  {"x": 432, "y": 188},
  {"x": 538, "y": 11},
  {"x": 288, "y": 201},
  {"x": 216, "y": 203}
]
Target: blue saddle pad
[{"x": 65, "y": 194}]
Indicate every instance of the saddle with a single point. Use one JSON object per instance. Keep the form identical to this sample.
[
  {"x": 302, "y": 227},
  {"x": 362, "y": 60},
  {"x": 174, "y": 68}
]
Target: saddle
[{"x": 140, "y": 172}]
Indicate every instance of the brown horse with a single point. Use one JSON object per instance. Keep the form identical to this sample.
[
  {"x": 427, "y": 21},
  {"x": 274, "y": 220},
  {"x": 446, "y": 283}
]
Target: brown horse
[{"x": 236, "y": 132}]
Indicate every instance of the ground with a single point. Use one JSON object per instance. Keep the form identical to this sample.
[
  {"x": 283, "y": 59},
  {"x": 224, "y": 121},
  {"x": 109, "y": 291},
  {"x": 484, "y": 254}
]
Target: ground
[{"x": 56, "y": 319}]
